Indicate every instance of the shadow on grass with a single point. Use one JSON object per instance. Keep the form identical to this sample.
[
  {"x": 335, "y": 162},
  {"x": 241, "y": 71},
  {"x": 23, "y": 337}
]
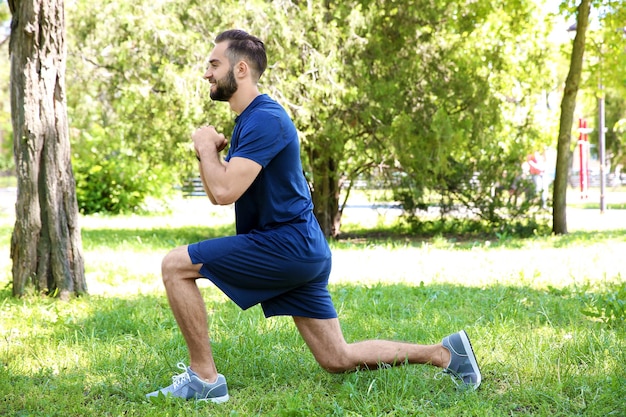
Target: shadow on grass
[
  {"x": 395, "y": 238},
  {"x": 589, "y": 237},
  {"x": 537, "y": 349}
]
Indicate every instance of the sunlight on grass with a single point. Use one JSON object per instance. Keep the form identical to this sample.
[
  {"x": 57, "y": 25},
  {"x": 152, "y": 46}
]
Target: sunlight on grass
[{"x": 539, "y": 266}]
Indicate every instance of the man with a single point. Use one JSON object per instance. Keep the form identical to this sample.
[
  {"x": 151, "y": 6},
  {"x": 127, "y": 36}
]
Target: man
[{"x": 279, "y": 257}]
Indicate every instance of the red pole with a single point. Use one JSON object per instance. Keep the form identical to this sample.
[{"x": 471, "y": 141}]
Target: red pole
[
  {"x": 581, "y": 135},
  {"x": 583, "y": 149}
]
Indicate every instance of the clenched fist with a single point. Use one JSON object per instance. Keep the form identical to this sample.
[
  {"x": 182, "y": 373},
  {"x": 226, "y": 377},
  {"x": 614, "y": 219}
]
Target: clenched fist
[{"x": 205, "y": 137}]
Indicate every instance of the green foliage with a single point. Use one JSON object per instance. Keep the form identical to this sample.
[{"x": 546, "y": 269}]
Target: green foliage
[
  {"x": 115, "y": 183},
  {"x": 459, "y": 134},
  {"x": 441, "y": 92},
  {"x": 612, "y": 72},
  {"x": 5, "y": 13},
  {"x": 444, "y": 95},
  {"x": 133, "y": 90},
  {"x": 6, "y": 130},
  {"x": 605, "y": 63}
]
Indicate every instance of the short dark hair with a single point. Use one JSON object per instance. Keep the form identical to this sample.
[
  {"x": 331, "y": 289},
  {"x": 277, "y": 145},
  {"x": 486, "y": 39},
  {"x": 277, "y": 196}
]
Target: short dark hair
[{"x": 242, "y": 45}]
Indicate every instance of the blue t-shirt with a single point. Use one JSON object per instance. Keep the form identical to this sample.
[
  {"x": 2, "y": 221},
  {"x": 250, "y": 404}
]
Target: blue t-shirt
[{"x": 278, "y": 204}]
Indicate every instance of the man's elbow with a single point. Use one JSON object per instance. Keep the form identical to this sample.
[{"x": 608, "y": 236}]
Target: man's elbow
[
  {"x": 211, "y": 199},
  {"x": 222, "y": 202},
  {"x": 223, "y": 198}
]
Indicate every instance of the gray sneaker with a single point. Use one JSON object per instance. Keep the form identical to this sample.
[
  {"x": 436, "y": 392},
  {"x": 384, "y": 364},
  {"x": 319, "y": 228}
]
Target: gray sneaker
[
  {"x": 191, "y": 387},
  {"x": 463, "y": 363}
]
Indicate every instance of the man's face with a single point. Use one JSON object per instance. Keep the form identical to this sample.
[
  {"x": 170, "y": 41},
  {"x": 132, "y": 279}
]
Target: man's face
[
  {"x": 220, "y": 74},
  {"x": 224, "y": 88}
]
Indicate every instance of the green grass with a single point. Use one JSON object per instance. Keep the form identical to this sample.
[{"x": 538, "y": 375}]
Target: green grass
[
  {"x": 596, "y": 206},
  {"x": 544, "y": 316}
]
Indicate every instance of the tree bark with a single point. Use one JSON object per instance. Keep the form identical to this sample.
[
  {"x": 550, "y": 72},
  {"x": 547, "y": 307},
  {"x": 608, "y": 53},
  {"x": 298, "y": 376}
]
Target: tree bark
[
  {"x": 326, "y": 192},
  {"x": 46, "y": 247},
  {"x": 568, "y": 105}
]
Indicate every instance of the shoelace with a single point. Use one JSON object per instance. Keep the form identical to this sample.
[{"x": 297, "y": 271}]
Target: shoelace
[
  {"x": 457, "y": 379},
  {"x": 178, "y": 380},
  {"x": 446, "y": 373}
]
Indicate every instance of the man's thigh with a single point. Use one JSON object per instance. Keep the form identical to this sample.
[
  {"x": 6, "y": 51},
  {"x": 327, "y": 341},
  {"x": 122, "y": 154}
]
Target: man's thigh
[{"x": 250, "y": 273}]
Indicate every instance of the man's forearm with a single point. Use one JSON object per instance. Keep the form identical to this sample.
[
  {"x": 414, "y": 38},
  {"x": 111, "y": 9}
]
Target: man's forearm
[
  {"x": 212, "y": 170},
  {"x": 204, "y": 184}
]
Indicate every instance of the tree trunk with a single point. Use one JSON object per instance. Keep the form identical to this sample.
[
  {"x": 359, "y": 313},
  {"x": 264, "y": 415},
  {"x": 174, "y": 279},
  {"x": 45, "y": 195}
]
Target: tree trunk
[
  {"x": 568, "y": 105},
  {"x": 326, "y": 193},
  {"x": 46, "y": 247}
]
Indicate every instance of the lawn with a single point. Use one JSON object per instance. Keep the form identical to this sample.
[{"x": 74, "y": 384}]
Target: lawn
[{"x": 546, "y": 316}]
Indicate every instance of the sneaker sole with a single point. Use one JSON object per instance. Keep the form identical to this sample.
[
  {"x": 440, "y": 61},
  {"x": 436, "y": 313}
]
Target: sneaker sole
[
  {"x": 216, "y": 400},
  {"x": 470, "y": 354}
]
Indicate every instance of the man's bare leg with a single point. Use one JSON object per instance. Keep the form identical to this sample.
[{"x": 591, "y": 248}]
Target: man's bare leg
[
  {"x": 187, "y": 304},
  {"x": 326, "y": 341}
]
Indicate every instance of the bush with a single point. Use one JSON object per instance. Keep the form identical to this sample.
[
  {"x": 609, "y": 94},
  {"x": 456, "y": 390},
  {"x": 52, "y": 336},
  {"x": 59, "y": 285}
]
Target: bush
[{"x": 116, "y": 184}]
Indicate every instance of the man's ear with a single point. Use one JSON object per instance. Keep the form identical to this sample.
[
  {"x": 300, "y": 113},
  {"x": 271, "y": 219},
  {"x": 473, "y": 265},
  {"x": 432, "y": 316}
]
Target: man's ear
[{"x": 242, "y": 69}]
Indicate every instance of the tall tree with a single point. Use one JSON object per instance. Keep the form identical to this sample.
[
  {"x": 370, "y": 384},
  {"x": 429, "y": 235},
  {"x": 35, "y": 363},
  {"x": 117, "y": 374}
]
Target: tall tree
[
  {"x": 46, "y": 247},
  {"x": 568, "y": 105}
]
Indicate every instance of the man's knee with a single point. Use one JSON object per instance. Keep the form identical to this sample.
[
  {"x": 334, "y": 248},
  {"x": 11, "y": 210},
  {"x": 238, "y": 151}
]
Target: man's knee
[
  {"x": 325, "y": 340},
  {"x": 174, "y": 265},
  {"x": 335, "y": 363},
  {"x": 335, "y": 368}
]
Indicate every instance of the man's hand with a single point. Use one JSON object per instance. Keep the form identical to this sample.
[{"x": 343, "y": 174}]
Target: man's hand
[{"x": 206, "y": 137}]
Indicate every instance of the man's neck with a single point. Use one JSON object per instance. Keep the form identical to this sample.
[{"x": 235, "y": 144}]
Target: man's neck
[{"x": 242, "y": 99}]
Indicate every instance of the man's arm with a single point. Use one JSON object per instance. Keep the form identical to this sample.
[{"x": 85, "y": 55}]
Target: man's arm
[
  {"x": 204, "y": 185},
  {"x": 223, "y": 182}
]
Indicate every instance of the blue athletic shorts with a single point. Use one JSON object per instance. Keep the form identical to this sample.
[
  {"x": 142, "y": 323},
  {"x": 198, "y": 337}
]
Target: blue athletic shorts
[{"x": 250, "y": 270}]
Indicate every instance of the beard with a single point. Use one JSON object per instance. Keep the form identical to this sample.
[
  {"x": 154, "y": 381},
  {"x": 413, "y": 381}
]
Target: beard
[{"x": 225, "y": 88}]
